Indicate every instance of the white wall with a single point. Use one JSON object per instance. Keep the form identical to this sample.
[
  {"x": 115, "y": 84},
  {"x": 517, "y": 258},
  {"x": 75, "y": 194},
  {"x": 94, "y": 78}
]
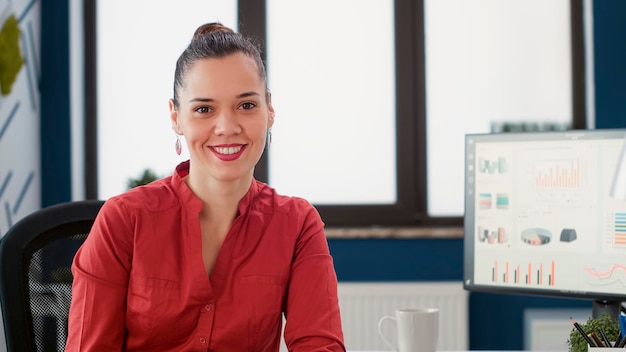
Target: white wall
[
  {"x": 20, "y": 174},
  {"x": 20, "y": 190}
]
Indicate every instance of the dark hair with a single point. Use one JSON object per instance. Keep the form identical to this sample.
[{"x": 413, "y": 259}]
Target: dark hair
[{"x": 214, "y": 40}]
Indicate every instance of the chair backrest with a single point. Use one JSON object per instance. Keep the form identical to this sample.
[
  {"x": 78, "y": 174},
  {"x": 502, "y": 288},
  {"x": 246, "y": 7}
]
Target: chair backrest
[{"x": 35, "y": 278}]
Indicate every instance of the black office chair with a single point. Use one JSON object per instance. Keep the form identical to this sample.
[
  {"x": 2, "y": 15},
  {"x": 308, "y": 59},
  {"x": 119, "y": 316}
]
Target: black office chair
[{"x": 35, "y": 278}]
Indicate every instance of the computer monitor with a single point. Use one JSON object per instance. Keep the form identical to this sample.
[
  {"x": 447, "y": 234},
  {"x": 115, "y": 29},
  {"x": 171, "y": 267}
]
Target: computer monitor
[{"x": 539, "y": 218}]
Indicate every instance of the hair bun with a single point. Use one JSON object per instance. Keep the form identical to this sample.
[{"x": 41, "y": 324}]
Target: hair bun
[{"x": 210, "y": 28}]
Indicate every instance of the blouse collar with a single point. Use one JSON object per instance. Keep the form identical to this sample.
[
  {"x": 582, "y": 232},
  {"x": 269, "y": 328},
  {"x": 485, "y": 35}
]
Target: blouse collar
[{"x": 190, "y": 200}]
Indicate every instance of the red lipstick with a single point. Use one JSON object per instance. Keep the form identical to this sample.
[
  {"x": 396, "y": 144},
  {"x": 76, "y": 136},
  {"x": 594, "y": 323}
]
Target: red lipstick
[{"x": 228, "y": 152}]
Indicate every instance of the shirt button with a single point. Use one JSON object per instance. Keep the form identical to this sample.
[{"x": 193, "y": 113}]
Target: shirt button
[
  {"x": 207, "y": 307},
  {"x": 203, "y": 340}
]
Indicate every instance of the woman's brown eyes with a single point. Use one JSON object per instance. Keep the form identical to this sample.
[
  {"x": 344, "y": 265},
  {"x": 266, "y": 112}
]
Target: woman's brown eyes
[
  {"x": 243, "y": 106},
  {"x": 248, "y": 105}
]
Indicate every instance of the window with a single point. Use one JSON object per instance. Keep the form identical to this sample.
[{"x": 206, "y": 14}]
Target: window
[
  {"x": 488, "y": 63},
  {"x": 372, "y": 105},
  {"x": 333, "y": 88}
]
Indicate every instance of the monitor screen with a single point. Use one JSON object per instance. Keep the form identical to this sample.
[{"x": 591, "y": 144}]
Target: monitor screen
[{"x": 539, "y": 218}]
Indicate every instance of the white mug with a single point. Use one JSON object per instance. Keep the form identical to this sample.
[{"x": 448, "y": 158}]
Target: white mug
[{"x": 417, "y": 329}]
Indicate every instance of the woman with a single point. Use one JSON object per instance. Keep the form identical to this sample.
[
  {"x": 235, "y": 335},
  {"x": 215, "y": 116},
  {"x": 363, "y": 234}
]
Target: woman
[{"x": 208, "y": 259}]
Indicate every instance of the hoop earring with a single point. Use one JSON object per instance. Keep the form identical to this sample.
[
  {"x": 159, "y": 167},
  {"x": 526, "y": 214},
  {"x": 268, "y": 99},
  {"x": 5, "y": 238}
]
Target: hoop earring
[
  {"x": 268, "y": 137},
  {"x": 179, "y": 145}
]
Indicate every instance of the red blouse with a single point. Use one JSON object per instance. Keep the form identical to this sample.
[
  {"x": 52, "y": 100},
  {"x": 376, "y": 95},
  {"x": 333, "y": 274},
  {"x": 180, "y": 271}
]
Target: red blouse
[{"x": 140, "y": 282}]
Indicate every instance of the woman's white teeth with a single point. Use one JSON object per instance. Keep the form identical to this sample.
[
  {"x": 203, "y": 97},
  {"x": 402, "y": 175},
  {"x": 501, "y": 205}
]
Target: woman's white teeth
[{"x": 227, "y": 150}]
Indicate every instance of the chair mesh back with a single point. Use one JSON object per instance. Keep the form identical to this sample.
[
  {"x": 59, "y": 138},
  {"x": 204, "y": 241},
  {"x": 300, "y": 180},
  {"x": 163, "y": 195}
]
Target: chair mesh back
[{"x": 49, "y": 288}]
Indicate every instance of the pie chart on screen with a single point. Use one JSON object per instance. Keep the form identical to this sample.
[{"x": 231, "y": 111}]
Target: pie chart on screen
[{"x": 536, "y": 236}]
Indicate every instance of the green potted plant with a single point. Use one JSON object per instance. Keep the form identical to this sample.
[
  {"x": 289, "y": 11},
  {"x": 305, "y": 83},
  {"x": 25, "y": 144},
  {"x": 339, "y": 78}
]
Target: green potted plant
[
  {"x": 148, "y": 176},
  {"x": 610, "y": 326}
]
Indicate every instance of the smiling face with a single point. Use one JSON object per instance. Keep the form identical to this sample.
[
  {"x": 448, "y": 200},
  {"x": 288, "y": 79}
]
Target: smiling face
[{"x": 224, "y": 113}]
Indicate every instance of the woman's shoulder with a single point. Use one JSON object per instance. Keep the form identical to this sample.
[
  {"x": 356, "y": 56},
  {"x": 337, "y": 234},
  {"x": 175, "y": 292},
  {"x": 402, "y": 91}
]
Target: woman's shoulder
[
  {"x": 300, "y": 212},
  {"x": 270, "y": 199},
  {"x": 154, "y": 196}
]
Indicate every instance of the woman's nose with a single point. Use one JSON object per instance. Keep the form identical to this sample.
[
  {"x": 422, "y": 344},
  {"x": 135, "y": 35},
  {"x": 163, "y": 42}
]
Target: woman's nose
[{"x": 227, "y": 124}]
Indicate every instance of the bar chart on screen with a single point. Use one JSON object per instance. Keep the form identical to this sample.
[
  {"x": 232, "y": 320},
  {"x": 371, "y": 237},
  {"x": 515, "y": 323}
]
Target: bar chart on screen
[
  {"x": 526, "y": 273},
  {"x": 496, "y": 166},
  {"x": 619, "y": 236},
  {"x": 558, "y": 174}
]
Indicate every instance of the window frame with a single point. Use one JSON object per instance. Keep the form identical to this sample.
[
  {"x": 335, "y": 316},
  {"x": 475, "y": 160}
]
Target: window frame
[{"x": 410, "y": 208}]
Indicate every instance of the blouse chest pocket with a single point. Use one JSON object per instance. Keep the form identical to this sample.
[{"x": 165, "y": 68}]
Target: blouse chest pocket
[{"x": 152, "y": 306}]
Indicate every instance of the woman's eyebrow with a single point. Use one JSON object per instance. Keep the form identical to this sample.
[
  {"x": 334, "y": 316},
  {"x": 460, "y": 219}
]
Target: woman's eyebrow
[
  {"x": 239, "y": 96},
  {"x": 247, "y": 94},
  {"x": 204, "y": 100}
]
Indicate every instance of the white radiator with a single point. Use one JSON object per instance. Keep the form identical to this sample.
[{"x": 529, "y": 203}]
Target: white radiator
[{"x": 363, "y": 304}]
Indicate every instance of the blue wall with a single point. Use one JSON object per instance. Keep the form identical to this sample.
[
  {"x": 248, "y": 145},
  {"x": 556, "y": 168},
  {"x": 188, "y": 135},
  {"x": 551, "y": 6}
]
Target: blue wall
[
  {"x": 361, "y": 259},
  {"x": 610, "y": 63},
  {"x": 398, "y": 259}
]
